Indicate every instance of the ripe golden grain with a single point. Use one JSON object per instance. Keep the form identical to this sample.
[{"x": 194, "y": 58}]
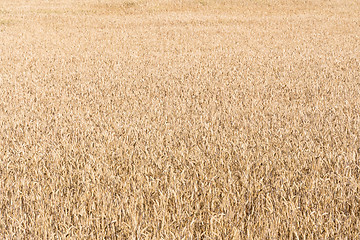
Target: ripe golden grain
[{"x": 179, "y": 119}]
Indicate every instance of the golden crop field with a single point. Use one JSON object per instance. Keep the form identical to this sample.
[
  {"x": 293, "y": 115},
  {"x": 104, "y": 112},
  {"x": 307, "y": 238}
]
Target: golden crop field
[{"x": 194, "y": 119}]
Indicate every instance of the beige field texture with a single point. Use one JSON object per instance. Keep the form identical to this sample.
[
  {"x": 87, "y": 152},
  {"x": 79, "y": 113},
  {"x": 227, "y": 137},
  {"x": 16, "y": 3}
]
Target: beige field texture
[{"x": 193, "y": 119}]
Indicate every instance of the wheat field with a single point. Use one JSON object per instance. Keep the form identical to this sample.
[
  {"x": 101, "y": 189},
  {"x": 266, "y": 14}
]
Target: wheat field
[{"x": 194, "y": 119}]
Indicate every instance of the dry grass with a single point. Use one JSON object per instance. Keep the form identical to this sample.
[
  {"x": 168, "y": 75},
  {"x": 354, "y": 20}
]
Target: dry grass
[{"x": 180, "y": 119}]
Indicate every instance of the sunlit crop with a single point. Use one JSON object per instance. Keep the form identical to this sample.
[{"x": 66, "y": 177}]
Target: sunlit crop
[{"x": 193, "y": 119}]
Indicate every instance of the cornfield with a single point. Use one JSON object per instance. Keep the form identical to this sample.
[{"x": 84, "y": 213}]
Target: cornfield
[{"x": 194, "y": 119}]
